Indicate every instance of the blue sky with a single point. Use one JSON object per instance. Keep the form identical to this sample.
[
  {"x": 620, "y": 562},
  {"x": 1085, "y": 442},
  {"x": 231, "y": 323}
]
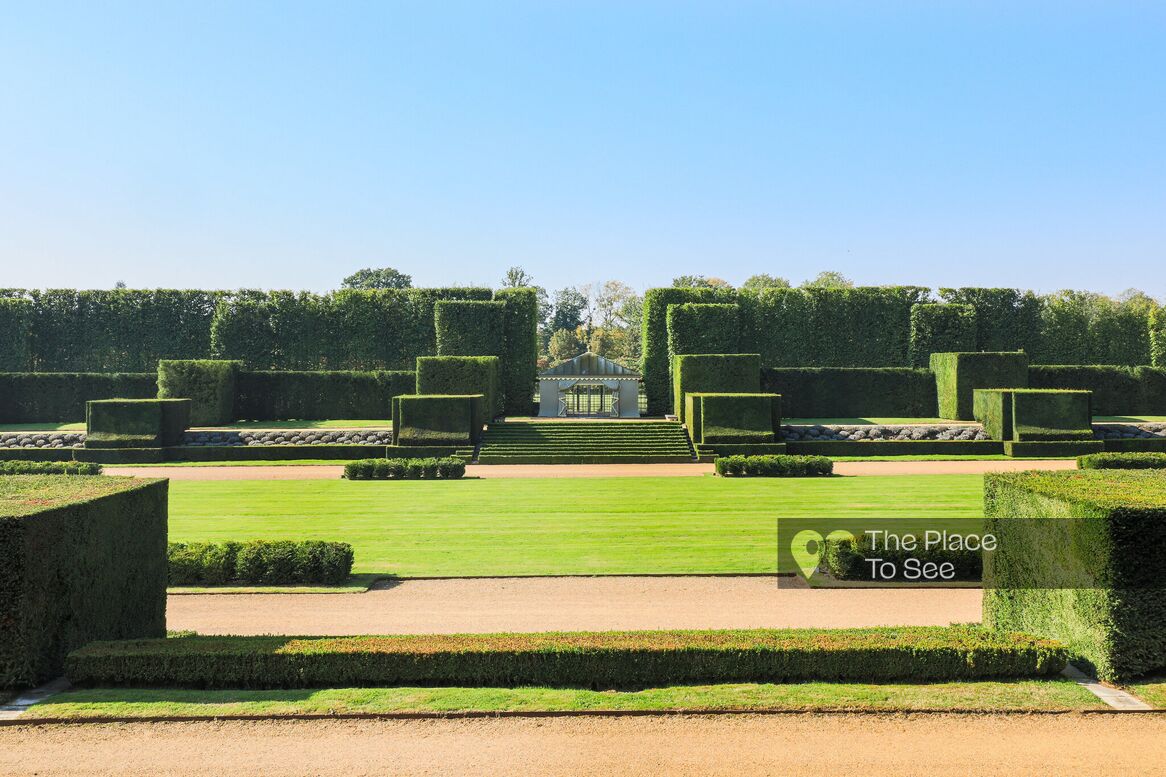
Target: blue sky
[{"x": 285, "y": 145}]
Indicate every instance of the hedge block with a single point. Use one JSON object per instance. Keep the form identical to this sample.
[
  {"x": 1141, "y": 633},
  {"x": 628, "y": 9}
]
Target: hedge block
[
  {"x": 518, "y": 371},
  {"x": 461, "y": 375},
  {"x": 957, "y": 375},
  {"x": 81, "y": 559},
  {"x": 136, "y": 423},
  {"x": 1103, "y": 529},
  {"x": 993, "y": 409},
  {"x": 420, "y": 419},
  {"x": 695, "y": 327},
  {"x": 1033, "y": 415},
  {"x": 732, "y": 418},
  {"x": 714, "y": 373},
  {"x": 209, "y": 384}
]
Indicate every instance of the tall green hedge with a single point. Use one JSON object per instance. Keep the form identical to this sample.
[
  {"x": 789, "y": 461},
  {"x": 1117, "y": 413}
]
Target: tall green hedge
[
  {"x": 1099, "y": 539},
  {"x": 940, "y": 328},
  {"x": 287, "y": 394},
  {"x": 1116, "y": 390},
  {"x": 1158, "y": 337},
  {"x": 958, "y": 375},
  {"x": 703, "y": 327},
  {"x": 60, "y": 397},
  {"x": 15, "y": 331},
  {"x": 1006, "y": 319},
  {"x": 656, "y": 366},
  {"x": 81, "y": 559},
  {"x": 470, "y": 328},
  {"x": 852, "y": 392},
  {"x": 461, "y": 375},
  {"x": 207, "y": 383},
  {"x": 717, "y": 373},
  {"x": 518, "y": 370}
]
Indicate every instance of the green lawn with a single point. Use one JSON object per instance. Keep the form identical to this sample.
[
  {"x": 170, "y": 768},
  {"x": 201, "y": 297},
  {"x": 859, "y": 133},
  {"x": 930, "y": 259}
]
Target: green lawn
[
  {"x": 995, "y": 696},
  {"x": 554, "y": 526},
  {"x": 1152, "y": 690},
  {"x": 43, "y": 427}
]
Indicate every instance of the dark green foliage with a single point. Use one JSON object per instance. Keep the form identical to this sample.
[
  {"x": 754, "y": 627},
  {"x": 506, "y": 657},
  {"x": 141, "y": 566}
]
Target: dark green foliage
[
  {"x": 656, "y": 367},
  {"x": 259, "y": 562},
  {"x": 60, "y": 397},
  {"x": 703, "y": 328},
  {"x": 207, "y": 383},
  {"x": 732, "y": 418},
  {"x": 742, "y": 449},
  {"x": 280, "y": 395},
  {"x": 518, "y": 369},
  {"x": 846, "y": 559},
  {"x": 421, "y": 419},
  {"x": 1122, "y": 461},
  {"x": 257, "y": 452},
  {"x": 714, "y": 373},
  {"x": 1006, "y": 319},
  {"x": 940, "y": 329},
  {"x": 1103, "y": 528},
  {"x": 1136, "y": 445},
  {"x": 957, "y": 375},
  {"x": 136, "y": 423},
  {"x": 852, "y": 392},
  {"x": 18, "y": 467},
  {"x": 1079, "y": 327},
  {"x": 461, "y": 375},
  {"x": 779, "y": 466},
  {"x": 15, "y": 331},
  {"x": 36, "y": 454},
  {"x": 81, "y": 559},
  {"x": 1030, "y": 415},
  {"x": 993, "y": 409},
  {"x": 446, "y": 468},
  {"x": 571, "y": 659},
  {"x": 473, "y": 328},
  {"x": 897, "y": 447},
  {"x": 1051, "y": 449},
  {"x": 1116, "y": 390},
  {"x": 119, "y": 455}
]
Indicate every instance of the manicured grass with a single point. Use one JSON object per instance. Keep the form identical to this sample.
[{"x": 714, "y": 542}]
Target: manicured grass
[
  {"x": 302, "y": 424},
  {"x": 357, "y": 584},
  {"x": 871, "y": 420},
  {"x": 276, "y": 463},
  {"x": 28, "y": 494},
  {"x": 43, "y": 427},
  {"x": 554, "y": 526},
  {"x": 1152, "y": 690},
  {"x": 987, "y": 696},
  {"x": 1128, "y": 419}
]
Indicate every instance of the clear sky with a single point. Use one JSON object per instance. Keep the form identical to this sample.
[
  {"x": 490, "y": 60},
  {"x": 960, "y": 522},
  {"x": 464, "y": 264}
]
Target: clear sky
[{"x": 284, "y": 145}]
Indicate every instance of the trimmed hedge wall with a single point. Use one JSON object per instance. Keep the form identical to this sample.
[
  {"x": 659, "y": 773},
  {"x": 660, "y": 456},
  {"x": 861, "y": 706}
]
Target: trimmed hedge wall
[
  {"x": 518, "y": 370},
  {"x": 259, "y": 562},
  {"x": 656, "y": 364},
  {"x": 1006, "y": 319},
  {"x": 136, "y": 423},
  {"x": 703, "y": 328},
  {"x": 15, "y": 330},
  {"x": 476, "y": 328},
  {"x": 630, "y": 659},
  {"x": 445, "y": 468},
  {"x": 1122, "y": 461},
  {"x": 940, "y": 329},
  {"x": 424, "y": 419},
  {"x": 1103, "y": 529},
  {"x": 852, "y": 392},
  {"x": 443, "y": 375},
  {"x": 281, "y": 395},
  {"x": 957, "y": 375},
  {"x": 1050, "y": 449},
  {"x": 1158, "y": 337},
  {"x": 732, "y": 418},
  {"x": 778, "y": 466},
  {"x": 81, "y": 559},
  {"x": 18, "y": 467},
  {"x": 1116, "y": 390},
  {"x": 60, "y": 397},
  {"x": 1031, "y": 415},
  {"x": 714, "y": 373},
  {"x": 208, "y": 384}
]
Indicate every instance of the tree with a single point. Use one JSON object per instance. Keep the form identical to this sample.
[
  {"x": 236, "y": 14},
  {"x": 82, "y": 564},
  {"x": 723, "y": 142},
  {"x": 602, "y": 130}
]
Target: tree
[
  {"x": 517, "y": 278},
  {"x": 609, "y": 300},
  {"x": 570, "y": 306},
  {"x": 764, "y": 281},
  {"x": 828, "y": 279},
  {"x": 382, "y": 278},
  {"x": 700, "y": 282},
  {"x": 565, "y": 344}
]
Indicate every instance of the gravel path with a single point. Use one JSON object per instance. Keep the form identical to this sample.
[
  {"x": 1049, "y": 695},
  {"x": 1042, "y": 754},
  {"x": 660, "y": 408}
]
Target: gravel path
[
  {"x": 331, "y": 471},
  {"x": 688, "y": 745},
  {"x": 569, "y": 603}
]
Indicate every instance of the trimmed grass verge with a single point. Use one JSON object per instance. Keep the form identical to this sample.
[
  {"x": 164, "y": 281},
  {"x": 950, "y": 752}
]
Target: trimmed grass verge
[
  {"x": 987, "y": 696},
  {"x": 614, "y": 659},
  {"x": 355, "y": 584},
  {"x": 1152, "y": 690}
]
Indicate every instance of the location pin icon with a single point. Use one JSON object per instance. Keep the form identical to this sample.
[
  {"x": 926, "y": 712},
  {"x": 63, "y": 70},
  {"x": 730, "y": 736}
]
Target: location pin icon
[{"x": 807, "y": 555}]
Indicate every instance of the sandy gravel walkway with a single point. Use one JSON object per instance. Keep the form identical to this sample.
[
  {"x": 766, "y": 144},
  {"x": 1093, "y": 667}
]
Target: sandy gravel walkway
[
  {"x": 331, "y": 472},
  {"x": 689, "y": 745},
  {"x": 564, "y": 604}
]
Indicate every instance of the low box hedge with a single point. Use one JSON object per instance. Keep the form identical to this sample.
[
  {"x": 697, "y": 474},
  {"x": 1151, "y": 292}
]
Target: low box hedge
[
  {"x": 449, "y": 468},
  {"x": 1136, "y": 445},
  {"x": 36, "y": 454},
  {"x": 779, "y": 466},
  {"x": 259, "y": 563},
  {"x": 135, "y": 423},
  {"x": 1037, "y": 449},
  {"x": 120, "y": 455},
  {"x": 846, "y": 559},
  {"x": 1122, "y": 461},
  {"x": 1103, "y": 531},
  {"x": 571, "y": 659},
  {"x": 49, "y": 468}
]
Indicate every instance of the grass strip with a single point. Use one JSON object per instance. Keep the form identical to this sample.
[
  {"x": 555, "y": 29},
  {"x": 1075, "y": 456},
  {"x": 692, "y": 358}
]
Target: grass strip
[
  {"x": 1152, "y": 690},
  {"x": 615, "y": 659}
]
